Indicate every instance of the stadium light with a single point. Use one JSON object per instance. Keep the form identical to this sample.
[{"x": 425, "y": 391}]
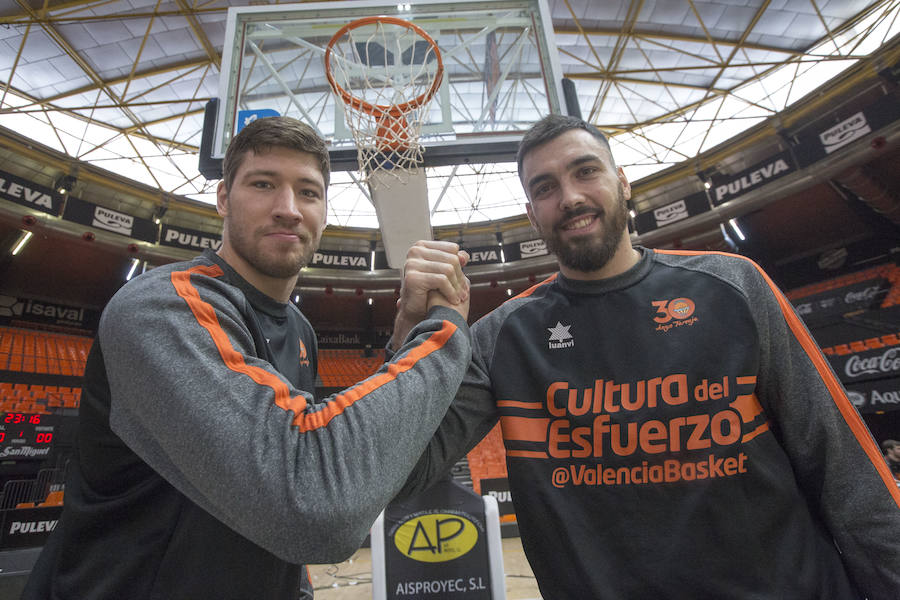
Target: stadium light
[
  {"x": 737, "y": 230},
  {"x": 134, "y": 265},
  {"x": 22, "y": 241},
  {"x": 65, "y": 184}
]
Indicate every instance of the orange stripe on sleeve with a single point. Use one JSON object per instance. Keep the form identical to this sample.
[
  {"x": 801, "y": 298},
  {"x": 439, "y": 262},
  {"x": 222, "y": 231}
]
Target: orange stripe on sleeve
[
  {"x": 234, "y": 360},
  {"x": 308, "y": 422},
  {"x": 838, "y": 396},
  {"x": 524, "y": 429},
  {"x": 532, "y": 289},
  {"x": 535, "y": 287}
]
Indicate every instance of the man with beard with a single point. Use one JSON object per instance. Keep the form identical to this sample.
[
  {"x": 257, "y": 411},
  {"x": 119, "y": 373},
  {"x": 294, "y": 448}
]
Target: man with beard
[
  {"x": 205, "y": 468},
  {"x": 671, "y": 429}
]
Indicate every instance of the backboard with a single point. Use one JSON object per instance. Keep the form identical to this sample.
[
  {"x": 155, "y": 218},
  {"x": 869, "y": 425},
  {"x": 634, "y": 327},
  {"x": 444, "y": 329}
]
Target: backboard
[{"x": 501, "y": 75}]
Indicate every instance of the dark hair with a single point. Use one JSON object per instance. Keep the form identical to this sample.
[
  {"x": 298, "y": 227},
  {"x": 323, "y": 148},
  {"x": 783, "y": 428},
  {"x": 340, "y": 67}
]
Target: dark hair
[
  {"x": 551, "y": 127},
  {"x": 278, "y": 132}
]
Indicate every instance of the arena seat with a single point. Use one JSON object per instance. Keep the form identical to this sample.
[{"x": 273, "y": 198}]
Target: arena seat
[
  {"x": 54, "y": 498},
  {"x": 345, "y": 367},
  {"x": 43, "y": 352}
]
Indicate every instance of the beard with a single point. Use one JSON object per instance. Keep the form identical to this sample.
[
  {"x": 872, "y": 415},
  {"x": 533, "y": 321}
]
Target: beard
[
  {"x": 590, "y": 253},
  {"x": 272, "y": 264}
]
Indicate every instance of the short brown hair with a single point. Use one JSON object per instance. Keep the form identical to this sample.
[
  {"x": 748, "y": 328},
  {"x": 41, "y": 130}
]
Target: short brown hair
[
  {"x": 553, "y": 126},
  {"x": 274, "y": 132}
]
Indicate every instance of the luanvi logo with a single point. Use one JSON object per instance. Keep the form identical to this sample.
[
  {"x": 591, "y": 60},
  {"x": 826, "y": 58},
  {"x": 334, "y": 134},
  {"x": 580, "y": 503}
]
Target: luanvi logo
[
  {"x": 436, "y": 537},
  {"x": 560, "y": 337}
]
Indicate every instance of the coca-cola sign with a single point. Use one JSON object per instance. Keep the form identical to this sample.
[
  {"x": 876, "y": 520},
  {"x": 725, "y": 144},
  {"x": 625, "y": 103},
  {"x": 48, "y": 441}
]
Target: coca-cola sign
[
  {"x": 867, "y": 295},
  {"x": 869, "y": 365}
]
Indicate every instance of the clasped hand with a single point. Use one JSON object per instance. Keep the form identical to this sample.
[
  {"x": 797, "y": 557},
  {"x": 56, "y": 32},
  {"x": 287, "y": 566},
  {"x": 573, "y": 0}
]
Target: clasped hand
[{"x": 432, "y": 276}]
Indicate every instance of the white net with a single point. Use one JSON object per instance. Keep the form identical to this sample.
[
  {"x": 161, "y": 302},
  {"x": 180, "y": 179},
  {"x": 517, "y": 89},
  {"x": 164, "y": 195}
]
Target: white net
[{"x": 385, "y": 72}]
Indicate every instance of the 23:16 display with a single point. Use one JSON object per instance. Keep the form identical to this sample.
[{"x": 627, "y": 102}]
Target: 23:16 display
[
  {"x": 27, "y": 423},
  {"x": 14, "y": 418}
]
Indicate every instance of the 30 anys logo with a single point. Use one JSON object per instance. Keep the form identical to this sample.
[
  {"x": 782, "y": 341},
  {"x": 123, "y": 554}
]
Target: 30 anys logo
[{"x": 679, "y": 308}]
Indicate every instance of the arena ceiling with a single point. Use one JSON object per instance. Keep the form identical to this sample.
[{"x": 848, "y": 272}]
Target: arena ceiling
[{"x": 122, "y": 84}]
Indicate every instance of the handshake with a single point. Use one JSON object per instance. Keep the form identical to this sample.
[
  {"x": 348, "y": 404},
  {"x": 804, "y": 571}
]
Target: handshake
[{"x": 432, "y": 276}]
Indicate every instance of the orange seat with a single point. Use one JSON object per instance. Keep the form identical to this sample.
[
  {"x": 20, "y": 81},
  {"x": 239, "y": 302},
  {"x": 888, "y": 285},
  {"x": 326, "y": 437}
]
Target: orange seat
[
  {"x": 873, "y": 343},
  {"x": 54, "y": 498}
]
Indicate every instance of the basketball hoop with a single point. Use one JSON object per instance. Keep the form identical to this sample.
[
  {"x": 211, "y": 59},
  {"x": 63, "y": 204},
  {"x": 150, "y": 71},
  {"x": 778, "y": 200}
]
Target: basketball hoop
[{"x": 385, "y": 71}]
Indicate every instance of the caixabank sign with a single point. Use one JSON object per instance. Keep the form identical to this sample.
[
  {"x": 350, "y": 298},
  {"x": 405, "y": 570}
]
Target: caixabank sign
[{"x": 435, "y": 546}]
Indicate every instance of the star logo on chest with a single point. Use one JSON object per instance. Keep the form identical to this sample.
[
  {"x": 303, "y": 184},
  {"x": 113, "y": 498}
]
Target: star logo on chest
[{"x": 560, "y": 336}]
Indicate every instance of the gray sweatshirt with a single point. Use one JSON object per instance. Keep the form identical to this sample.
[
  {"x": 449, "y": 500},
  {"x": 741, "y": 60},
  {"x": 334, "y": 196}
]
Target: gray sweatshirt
[{"x": 206, "y": 465}]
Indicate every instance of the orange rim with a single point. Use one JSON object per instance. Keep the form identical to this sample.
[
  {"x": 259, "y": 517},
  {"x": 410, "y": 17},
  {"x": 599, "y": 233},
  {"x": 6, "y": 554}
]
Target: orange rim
[{"x": 376, "y": 109}]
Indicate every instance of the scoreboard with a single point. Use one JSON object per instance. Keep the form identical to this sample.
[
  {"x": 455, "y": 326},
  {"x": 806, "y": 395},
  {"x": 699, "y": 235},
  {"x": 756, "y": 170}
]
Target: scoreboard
[{"x": 27, "y": 436}]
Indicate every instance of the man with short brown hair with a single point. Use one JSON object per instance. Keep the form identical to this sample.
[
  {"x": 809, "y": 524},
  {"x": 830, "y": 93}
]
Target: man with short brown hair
[{"x": 205, "y": 467}]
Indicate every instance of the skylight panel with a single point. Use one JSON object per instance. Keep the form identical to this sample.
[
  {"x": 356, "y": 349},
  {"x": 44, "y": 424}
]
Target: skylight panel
[
  {"x": 811, "y": 77},
  {"x": 725, "y": 130},
  {"x": 206, "y": 197},
  {"x": 127, "y": 167},
  {"x": 35, "y": 124},
  {"x": 870, "y": 33}
]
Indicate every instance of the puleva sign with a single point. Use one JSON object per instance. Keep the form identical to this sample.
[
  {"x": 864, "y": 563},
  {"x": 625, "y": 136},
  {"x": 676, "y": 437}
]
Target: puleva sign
[{"x": 436, "y": 537}]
